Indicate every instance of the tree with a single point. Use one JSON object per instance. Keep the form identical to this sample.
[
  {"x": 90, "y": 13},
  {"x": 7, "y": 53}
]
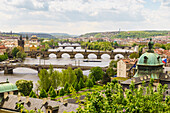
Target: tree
[
  {"x": 43, "y": 93},
  {"x": 61, "y": 92},
  {"x": 97, "y": 72},
  {"x": 32, "y": 94},
  {"x": 79, "y": 74},
  {"x": 81, "y": 83},
  {"x": 44, "y": 81},
  {"x": 21, "y": 55},
  {"x": 134, "y": 55},
  {"x": 106, "y": 78},
  {"x": 52, "y": 92},
  {"x": 66, "y": 87},
  {"x": 89, "y": 83},
  {"x": 68, "y": 75},
  {"x": 114, "y": 101},
  {"x": 113, "y": 64},
  {"x": 76, "y": 86},
  {"x": 110, "y": 72},
  {"x": 24, "y": 86},
  {"x": 134, "y": 44},
  {"x": 15, "y": 50}
]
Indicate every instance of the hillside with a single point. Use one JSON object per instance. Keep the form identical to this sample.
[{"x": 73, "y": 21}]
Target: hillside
[{"x": 126, "y": 34}]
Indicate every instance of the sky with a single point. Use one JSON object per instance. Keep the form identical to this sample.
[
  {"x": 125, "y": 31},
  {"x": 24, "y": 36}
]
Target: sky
[{"x": 82, "y": 16}]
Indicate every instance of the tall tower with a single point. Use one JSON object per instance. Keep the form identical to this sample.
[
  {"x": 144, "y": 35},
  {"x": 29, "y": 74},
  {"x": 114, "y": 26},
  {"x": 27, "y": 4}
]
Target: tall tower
[{"x": 21, "y": 42}]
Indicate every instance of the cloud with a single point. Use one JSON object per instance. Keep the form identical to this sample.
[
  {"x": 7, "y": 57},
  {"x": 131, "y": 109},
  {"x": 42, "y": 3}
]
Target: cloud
[{"x": 80, "y": 16}]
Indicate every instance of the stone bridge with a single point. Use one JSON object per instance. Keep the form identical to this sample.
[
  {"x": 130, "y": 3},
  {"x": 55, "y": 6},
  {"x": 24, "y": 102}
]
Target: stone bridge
[
  {"x": 64, "y": 46},
  {"x": 8, "y": 68},
  {"x": 72, "y": 53}
]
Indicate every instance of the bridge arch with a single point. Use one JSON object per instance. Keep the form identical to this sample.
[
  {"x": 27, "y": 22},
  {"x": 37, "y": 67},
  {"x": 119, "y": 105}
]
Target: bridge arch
[
  {"x": 39, "y": 54},
  {"x": 79, "y": 55},
  {"x": 25, "y": 69},
  {"x": 52, "y": 55},
  {"x": 105, "y": 55},
  {"x": 118, "y": 56},
  {"x": 92, "y": 55},
  {"x": 65, "y": 55}
]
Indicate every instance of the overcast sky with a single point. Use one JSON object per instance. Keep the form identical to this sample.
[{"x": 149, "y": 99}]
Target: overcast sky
[{"x": 82, "y": 16}]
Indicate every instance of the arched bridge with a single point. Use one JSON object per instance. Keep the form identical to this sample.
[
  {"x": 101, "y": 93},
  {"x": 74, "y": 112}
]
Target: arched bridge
[
  {"x": 8, "y": 68},
  {"x": 72, "y": 53}
]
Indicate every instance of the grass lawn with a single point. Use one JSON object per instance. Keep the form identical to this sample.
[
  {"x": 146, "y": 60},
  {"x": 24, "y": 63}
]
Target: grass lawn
[
  {"x": 84, "y": 92},
  {"x": 119, "y": 78}
]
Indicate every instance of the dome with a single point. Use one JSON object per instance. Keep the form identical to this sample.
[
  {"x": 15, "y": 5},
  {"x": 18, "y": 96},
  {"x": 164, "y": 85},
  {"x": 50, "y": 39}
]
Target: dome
[
  {"x": 7, "y": 87},
  {"x": 150, "y": 59}
]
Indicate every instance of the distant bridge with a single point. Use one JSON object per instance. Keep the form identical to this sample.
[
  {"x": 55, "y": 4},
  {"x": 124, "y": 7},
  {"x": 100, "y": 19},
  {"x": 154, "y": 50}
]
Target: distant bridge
[
  {"x": 8, "y": 68},
  {"x": 45, "y": 54}
]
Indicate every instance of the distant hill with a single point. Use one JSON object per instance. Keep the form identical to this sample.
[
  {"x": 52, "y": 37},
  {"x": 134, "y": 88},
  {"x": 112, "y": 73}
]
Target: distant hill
[
  {"x": 127, "y": 34},
  {"x": 40, "y": 35},
  {"x": 62, "y": 35}
]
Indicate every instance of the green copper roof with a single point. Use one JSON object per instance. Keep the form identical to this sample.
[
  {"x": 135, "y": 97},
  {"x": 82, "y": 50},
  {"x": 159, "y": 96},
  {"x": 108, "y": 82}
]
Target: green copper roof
[
  {"x": 150, "y": 59},
  {"x": 7, "y": 87}
]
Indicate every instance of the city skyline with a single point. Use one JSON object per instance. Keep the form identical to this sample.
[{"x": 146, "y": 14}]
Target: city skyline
[{"x": 81, "y": 16}]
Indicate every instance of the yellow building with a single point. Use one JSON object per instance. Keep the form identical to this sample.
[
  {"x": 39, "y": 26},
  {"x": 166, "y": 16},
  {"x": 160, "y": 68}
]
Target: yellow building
[{"x": 33, "y": 48}]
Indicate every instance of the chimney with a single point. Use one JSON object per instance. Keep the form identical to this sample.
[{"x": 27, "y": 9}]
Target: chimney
[
  {"x": 44, "y": 100},
  {"x": 5, "y": 95},
  {"x": 61, "y": 99},
  {"x": 48, "y": 98},
  {"x": 19, "y": 97},
  {"x": 27, "y": 99},
  {"x": 11, "y": 93}
]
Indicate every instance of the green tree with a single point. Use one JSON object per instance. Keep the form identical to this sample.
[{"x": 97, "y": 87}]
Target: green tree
[
  {"x": 62, "y": 92},
  {"x": 134, "y": 55},
  {"x": 44, "y": 81},
  {"x": 66, "y": 87},
  {"x": 76, "y": 86},
  {"x": 32, "y": 94},
  {"x": 81, "y": 83},
  {"x": 24, "y": 86},
  {"x": 21, "y": 55},
  {"x": 97, "y": 72},
  {"x": 89, "y": 83},
  {"x": 52, "y": 92},
  {"x": 15, "y": 50},
  {"x": 110, "y": 72},
  {"x": 106, "y": 78},
  {"x": 113, "y": 64},
  {"x": 43, "y": 93},
  {"x": 114, "y": 101},
  {"x": 79, "y": 74}
]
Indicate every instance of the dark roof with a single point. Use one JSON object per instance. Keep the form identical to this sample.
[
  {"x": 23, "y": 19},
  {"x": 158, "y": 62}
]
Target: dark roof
[
  {"x": 137, "y": 80},
  {"x": 38, "y": 103}
]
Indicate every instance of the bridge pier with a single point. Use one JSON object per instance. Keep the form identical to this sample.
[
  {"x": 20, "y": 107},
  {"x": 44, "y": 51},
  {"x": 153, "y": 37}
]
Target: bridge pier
[
  {"x": 39, "y": 69},
  {"x": 8, "y": 71},
  {"x": 72, "y": 56},
  {"x": 98, "y": 56},
  {"x": 85, "y": 56},
  {"x": 112, "y": 56}
]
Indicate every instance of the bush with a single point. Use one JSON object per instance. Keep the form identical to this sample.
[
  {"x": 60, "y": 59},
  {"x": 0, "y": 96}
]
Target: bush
[
  {"x": 43, "y": 94},
  {"x": 32, "y": 94},
  {"x": 81, "y": 83},
  {"x": 61, "y": 92},
  {"x": 24, "y": 86},
  {"x": 76, "y": 86},
  {"x": 89, "y": 83},
  {"x": 52, "y": 92}
]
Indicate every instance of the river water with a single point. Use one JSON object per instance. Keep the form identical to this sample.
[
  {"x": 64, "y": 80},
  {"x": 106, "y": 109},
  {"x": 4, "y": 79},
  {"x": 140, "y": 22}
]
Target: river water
[{"x": 30, "y": 74}]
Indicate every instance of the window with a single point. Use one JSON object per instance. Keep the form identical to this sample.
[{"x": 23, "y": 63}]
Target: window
[{"x": 145, "y": 59}]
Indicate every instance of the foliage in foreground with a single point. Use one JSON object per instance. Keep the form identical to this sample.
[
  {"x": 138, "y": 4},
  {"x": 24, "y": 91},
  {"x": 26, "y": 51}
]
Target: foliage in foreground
[
  {"x": 135, "y": 101},
  {"x": 24, "y": 86}
]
